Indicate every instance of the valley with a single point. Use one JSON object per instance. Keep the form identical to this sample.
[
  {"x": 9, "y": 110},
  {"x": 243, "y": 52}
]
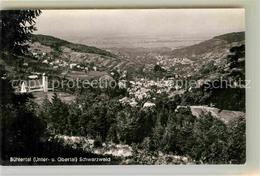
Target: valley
[{"x": 155, "y": 88}]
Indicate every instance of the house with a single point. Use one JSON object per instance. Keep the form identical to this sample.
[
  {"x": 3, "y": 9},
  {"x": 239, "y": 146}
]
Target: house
[
  {"x": 57, "y": 61},
  {"x": 127, "y": 101},
  {"x": 148, "y": 104},
  {"x": 45, "y": 61},
  {"x": 33, "y": 76},
  {"x": 133, "y": 103},
  {"x": 34, "y": 54},
  {"x": 72, "y": 65},
  {"x": 25, "y": 64}
]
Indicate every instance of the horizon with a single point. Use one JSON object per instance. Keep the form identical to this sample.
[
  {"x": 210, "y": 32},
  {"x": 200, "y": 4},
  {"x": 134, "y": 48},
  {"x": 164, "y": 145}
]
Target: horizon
[{"x": 141, "y": 27}]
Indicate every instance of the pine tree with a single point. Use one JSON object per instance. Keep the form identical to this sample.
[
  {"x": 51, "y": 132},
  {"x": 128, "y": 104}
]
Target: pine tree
[
  {"x": 236, "y": 63},
  {"x": 16, "y": 29}
]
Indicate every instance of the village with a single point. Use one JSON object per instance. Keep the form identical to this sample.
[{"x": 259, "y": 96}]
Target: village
[{"x": 138, "y": 88}]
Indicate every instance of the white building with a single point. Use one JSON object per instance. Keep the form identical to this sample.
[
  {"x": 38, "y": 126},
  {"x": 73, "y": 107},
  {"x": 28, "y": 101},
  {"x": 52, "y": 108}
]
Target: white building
[
  {"x": 45, "y": 61},
  {"x": 72, "y": 65},
  {"x": 33, "y": 76},
  {"x": 148, "y": 104}
]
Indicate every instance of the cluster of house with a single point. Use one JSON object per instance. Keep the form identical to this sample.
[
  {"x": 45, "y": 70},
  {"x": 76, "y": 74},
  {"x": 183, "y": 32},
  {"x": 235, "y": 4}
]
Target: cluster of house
[
  {"x": 173, "y": 60},
  {"x": 140, "y": 87},
  {"x": 144, "y": 89},
  {"x": 143, "y": 92},
  {"x": 61, "y": 64},
  {"x": 38, "y": 56},
  {"x": 56, "y": 64},
  {"x": 168, "y": 62},
  {"x": 133, "y": 103}
]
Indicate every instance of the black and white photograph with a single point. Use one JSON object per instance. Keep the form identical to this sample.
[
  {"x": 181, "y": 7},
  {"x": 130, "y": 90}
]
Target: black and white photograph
[{"x": 123, "y": 87}]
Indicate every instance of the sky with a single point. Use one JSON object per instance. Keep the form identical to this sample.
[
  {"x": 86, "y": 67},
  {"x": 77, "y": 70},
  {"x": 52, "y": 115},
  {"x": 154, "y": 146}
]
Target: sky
[{"x": 176, "y": 23}]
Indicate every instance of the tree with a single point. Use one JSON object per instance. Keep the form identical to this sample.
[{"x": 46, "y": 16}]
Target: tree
[
  {"x": 157, "y": 134},
  {"x": 237, "y": 141},
  {"x": 236, "y": 63},
  {"x": 178, "y": 132},
  {"x": 208, "y": 68},
  {"x": 158, "y": 72},
  {"x": 209, "y": 140},
  {"x": 16, "y": 29},
  {"x": 20, "y": 128},
  {"x": 59, "y": 116},
  {"x": 225, "y": 91}
]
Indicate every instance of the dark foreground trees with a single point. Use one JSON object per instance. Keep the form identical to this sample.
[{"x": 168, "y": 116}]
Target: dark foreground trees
[
  {"x": 16, "y": 29},
  {"x": 205, "y": 139},
  {"x": 21, "y": 129},
  {"x": 22, "y": 132}
]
